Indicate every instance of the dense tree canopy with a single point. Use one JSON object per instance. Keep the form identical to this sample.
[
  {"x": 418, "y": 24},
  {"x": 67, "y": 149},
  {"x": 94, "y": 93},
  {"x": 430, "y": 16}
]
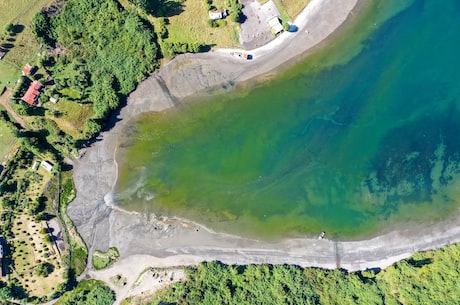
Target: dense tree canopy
[
  {"x": 104, "y": 51},
  {"x": 89, "y": 292},
  {"x": 426, "y": 278},
  {"x": 42, "y": 28}
]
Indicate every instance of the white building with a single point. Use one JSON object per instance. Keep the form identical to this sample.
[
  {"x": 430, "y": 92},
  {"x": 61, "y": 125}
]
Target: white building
[
  {"x": 46, "y": 165},
  {"x": 217, "y": 14},
  {"x": 275, "y": 25}
]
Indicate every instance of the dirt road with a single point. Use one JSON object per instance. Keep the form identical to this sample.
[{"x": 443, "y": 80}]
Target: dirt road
[{"x": 4, "y": 100}]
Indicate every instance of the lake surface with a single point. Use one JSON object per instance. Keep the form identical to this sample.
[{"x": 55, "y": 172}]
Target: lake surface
[{"x": 361, "y": 137}]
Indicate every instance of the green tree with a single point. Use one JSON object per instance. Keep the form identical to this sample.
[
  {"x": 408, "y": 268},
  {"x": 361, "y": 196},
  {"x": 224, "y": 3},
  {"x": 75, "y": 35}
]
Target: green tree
[
  {"x": 8, "y": 28},
  {"x": 5, "y": 295},
  {"x": 142, "y": 4},
  {"x": 42, "y": 28},
  {"x": 235, "y": 9},
  {"x": 44, "y": 269}
]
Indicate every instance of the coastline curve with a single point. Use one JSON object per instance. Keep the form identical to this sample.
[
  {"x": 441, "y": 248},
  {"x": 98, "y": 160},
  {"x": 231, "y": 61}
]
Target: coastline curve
[{"x": 162, "y": 241}]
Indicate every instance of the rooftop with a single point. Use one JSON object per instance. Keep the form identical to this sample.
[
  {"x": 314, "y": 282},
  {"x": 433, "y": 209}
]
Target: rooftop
[{"x": 32, "y": 93}]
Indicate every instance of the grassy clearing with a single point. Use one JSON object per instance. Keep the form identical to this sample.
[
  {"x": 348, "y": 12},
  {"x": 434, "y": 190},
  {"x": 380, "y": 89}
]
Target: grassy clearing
[
  {"x": 292, "y": 7},
  {"x": 192, "y": 26},
  {"x": 7, "y": 141},
  {"x": 21, "y": 44},
  {"x": 69, "y": 116},
  {"x": 102, "y": 260},
  {"x": 32, "y": 250},
  {"x": 9, "y": 74},
  {"x": 31, "y": 183}
]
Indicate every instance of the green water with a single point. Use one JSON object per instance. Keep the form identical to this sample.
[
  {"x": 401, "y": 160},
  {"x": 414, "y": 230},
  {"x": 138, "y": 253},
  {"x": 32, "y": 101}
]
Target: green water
[{"x": 360, "y": 137}]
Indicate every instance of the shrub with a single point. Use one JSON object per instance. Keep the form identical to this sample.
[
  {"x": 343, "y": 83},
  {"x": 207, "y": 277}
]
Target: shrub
[
  {"x": 44, "y": 269},
  {"x": 102, "y": 260}
]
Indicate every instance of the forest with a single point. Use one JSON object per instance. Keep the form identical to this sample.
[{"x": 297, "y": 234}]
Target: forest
[
  {"x": 425, "y": 278},
  {"x": 101, "y": 52}
]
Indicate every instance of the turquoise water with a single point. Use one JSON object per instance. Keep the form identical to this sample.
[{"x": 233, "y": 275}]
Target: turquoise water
[{"x": 360, "y": 137}]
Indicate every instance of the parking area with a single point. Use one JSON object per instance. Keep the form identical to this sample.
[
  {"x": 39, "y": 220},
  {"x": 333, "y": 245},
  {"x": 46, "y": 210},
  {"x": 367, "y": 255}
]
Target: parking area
[{"x": 255, "y": 31}]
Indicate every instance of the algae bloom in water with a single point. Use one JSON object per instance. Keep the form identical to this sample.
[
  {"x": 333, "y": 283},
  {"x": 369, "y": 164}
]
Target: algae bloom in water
[{"x": 350, "y": 148}]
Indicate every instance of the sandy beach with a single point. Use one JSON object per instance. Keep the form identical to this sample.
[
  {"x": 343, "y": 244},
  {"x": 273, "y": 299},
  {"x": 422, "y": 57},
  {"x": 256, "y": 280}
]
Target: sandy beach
[{"x": 151, "y": 240}]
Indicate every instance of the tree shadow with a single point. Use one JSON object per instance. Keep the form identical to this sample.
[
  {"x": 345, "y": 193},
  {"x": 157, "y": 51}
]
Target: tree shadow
[
  {"x": 18, "y": 28},
  {"x": 66, "y": 167},
  {"x": 19, "y": 292},
  {"x": 241, "y": 18},
  {"x": 206, "y": 48},
  {"x": 7, "y": 45},
  {"x": 165, "y": 8},
  {"x": 35, "y": 111},
  {"x": 419, "y": 263},
  {"x": 38, "y": 76}
]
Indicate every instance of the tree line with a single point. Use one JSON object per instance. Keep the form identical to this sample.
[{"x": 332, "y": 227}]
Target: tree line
[{"x": 425, "y": 278}]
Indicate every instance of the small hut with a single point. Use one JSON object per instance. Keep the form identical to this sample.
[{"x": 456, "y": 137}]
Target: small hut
[
  {"x": 217, "y": 14},
  {"x": 275, "y": 25},
  {"x": 46, "y": 165}
]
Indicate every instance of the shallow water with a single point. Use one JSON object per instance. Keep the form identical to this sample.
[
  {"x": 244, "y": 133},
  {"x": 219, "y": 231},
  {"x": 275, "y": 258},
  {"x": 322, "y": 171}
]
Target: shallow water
[{"x": 357, "y": 138}]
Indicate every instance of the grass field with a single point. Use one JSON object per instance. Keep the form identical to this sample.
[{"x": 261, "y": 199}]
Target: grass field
[
  {"x": 72, "y": 116},
  {"x": 192, "y": 25},
  {"x": 102, "y": 260},
  {"x": 7, "y": 141},
  {"x": 9, "y": 74},
  {"x": 292, "y": 7},
  {"x": 22, "y": 45}
]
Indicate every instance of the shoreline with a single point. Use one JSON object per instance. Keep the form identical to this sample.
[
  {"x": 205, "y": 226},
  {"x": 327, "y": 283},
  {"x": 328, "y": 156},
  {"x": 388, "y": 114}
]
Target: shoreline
[{"x": 149, "y": 240}]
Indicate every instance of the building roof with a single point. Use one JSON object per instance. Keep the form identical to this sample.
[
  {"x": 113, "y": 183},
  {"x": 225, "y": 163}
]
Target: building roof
[
  {"x": 26, "y": 69},
  {"x": 32, "y": 93},
  {"x": 217, "y": 14},
  {"x": 2, "y": 53},
  {"x": 46, "y": 165},
  {"x": 275, "y": 25}
]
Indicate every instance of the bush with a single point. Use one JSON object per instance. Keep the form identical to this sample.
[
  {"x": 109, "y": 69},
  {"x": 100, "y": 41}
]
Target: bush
[
  {"x": 102, "y": 260},
  {"x": 44, "y": 269},
  {"x": 163, "y": 31},
  {"x": 8, "y": 28},
  {"x": 235, "y": 9},
  {"x": 88, "y": 292},
  {"x": 207, "y": 4},
  {"x": 213, "y": 23},
  {"x": 172, "y": 48}
]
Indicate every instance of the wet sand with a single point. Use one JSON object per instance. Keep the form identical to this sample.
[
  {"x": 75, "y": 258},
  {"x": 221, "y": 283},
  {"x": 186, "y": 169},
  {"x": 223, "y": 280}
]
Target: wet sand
[{"x": 152, "y": 240}]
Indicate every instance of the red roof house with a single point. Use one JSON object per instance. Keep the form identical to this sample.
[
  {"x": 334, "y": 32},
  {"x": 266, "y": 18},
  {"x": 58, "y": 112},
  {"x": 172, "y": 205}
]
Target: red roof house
[
  {"x": 32, "y": 93},
  {"x": 26, "y": 70}
]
